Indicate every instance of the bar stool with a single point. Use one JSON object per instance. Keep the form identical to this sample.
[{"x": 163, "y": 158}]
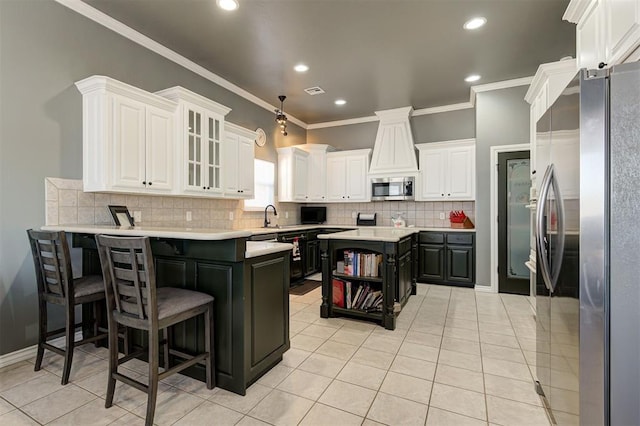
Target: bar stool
[
  {"x": 134, "y": 301},
  {"x": 56, "y": 285}
]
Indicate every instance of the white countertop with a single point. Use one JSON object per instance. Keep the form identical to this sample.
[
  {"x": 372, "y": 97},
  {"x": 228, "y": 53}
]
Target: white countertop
[
  {"x": 260, "y": 248},
  {"x": 372, "y": 233},
  {"x": 149, "y": 231},
  {"x": 225, "y": 234},
  {"x": 293, "y": 228}
]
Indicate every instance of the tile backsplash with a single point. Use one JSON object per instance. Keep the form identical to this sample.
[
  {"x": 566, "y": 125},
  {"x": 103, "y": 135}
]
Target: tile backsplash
[
  {"x": 67, "y": 204},
  {"x": 417, "y": 213}
]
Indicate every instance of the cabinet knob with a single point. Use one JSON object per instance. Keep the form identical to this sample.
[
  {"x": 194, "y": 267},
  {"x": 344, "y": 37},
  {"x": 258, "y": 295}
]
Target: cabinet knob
[
  {"x": 150, "y": 183},
  {"x": 442, "y": 195},
  {"x": 204, "y": 187},
  {"x": 448, "y": 195},
  {"x": 208, "y": 187},
  {"x": 144, "y": 182}
]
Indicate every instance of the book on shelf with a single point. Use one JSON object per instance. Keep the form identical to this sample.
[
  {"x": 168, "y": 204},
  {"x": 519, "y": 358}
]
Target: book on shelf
[
  {"x": 338, "y": 292},
  {"x": 362, "y": 264}
]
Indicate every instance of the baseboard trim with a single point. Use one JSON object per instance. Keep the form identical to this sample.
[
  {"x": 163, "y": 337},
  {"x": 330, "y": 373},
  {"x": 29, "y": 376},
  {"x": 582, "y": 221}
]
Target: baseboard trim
[
  {"x": 483, "y": 288},
  {"x": 26, "y": 354}
]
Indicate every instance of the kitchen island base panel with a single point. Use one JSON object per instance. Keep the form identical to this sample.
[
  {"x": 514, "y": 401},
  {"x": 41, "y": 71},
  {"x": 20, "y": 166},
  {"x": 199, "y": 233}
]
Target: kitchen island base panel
[{"x": 251, "y": 303}]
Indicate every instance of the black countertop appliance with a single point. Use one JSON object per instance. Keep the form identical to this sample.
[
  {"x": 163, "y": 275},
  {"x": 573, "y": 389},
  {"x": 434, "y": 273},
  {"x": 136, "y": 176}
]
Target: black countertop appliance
[{"x": 313, "y": 215}]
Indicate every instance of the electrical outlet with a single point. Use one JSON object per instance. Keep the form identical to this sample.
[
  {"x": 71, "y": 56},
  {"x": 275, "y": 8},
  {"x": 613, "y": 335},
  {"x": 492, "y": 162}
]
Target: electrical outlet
[
  {"x": 230, "y": 215},
  {"x": 286, "y": 215},
  {"x": 137, "y": 216},
  {"x": 442, "y": 216},
  {"x": 354, "y": 215},
  {"x": 189, "y": 218}
]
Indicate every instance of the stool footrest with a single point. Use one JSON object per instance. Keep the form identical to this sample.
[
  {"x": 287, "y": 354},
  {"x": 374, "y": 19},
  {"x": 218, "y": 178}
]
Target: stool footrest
[{"x": 186, "y": 364}]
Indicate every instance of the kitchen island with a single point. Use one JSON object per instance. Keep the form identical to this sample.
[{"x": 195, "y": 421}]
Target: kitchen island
[
  {"x": 365, "y": 264},
  {"x": 249, "y": 281}
]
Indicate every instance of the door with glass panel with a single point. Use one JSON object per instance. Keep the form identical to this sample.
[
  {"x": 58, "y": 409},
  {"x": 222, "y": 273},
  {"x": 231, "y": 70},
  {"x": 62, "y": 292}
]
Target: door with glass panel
[
  {"x": 203, "y": 172},
  {"x": 514, "y": 224}
]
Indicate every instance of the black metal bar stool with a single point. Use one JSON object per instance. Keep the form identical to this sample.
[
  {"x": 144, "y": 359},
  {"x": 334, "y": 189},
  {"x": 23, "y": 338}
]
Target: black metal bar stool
[
  {"x": 134, "y": 301},
  {"x": 56, "y": 285}
]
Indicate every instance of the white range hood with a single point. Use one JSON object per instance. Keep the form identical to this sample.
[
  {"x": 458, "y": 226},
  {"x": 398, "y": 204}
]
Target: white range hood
[{"x": 394, "y": 152}]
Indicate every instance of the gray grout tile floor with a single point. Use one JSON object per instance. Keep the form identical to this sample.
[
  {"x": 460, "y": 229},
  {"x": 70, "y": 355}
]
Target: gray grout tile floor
[{"x": 457, "y": 357}]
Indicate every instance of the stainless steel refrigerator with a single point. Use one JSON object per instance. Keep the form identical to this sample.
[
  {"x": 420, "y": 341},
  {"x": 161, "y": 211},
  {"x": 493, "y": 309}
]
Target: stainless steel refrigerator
[{"x": 588, "y": 250}]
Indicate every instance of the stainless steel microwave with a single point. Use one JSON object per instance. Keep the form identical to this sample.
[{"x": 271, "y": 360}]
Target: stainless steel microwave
[{"x": 392, "y": 189}]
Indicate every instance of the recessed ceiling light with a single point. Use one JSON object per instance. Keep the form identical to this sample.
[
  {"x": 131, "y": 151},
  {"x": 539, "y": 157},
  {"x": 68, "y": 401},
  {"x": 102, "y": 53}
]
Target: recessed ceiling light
[
  {"x": 475, "y": 23},
  {"x": 301, "y": 68},
  {"x": 472, "y": 78},
  {"x": 340, "y": 102},
  {"x": 227, "y": 4}
]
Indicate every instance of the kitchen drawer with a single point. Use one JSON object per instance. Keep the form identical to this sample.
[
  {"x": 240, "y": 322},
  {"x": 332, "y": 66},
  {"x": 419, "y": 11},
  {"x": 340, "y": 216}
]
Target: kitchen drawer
[
  {"x": 432, "y": 237},
  {"x": 466, "y": 239}
]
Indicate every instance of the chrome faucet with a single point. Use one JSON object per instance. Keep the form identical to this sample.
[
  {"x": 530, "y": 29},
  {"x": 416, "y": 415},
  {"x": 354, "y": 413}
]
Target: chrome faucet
[{"x": 275, "y": 213}]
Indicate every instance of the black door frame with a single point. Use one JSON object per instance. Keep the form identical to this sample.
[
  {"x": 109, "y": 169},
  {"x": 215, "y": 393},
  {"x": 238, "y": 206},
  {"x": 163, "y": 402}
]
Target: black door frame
[{"x": 505, "y": 284}]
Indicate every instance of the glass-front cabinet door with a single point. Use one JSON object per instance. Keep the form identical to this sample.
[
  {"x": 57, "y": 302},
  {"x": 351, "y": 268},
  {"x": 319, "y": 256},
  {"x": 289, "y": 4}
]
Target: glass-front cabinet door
[
  {"x": 203, "y": 152},
  {"x": 214, "y": 182}
]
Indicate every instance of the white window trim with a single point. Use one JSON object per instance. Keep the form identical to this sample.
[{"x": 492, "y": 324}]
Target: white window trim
[{"x": 257, "y": 162}]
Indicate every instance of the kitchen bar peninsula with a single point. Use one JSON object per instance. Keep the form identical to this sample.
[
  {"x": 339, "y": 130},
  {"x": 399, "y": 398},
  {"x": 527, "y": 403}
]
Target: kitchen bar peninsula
[
  {"x": 249, "y": 281},
  {"x": 366, "y": 271}
]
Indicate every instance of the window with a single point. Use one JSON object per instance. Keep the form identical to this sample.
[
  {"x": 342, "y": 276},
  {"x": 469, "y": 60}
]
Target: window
[{"x": 264, "y": 185}]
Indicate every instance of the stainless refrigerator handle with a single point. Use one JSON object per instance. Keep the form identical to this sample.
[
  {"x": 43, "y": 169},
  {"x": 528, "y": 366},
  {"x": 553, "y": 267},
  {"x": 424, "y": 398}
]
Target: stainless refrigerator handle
[
  {"x": 540, "y": 231},
  {"x": 559, "y": 251}
]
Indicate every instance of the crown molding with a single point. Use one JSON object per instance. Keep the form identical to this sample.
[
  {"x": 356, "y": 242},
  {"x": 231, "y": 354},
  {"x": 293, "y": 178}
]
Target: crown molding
[
  {"x": 576, "y": 10},
  {"x": 545, "y": 71},
  {"x": 368, "y": 119},
  {"x": 119, "y": 28},
  {"x": 506, "y": 84},
  {"x": 338, "y": 123},
  {"x": 443, "y": 108}
]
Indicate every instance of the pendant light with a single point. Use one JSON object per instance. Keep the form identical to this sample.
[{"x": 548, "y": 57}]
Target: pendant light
[{"x": 281, "y": 119}]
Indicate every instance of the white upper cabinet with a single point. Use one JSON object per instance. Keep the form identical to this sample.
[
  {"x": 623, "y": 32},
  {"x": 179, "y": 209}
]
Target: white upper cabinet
[
  {"x": 447, "y": 171},
  {"x": 607, "y": 31},
  {"x": 622, "y": 29},
  {"x": 394, "y": 151},
  {"x": 347, "y": 177},
  {"x": 547, "y": 85},
  {"x": 302, "y": 173},
  {"x": 128, "y": 138},
  {"x": 237, "y": 159},
  {"x": 293, "y": 171},
  {"x": 199, "y": 136}
]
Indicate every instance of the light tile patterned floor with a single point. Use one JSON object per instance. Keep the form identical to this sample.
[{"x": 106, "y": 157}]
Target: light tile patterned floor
[{"x": 457, "y": 357}]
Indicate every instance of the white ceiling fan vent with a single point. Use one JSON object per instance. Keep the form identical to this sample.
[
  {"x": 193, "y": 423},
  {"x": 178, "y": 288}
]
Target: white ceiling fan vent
[{"x": 316, "y": 90}]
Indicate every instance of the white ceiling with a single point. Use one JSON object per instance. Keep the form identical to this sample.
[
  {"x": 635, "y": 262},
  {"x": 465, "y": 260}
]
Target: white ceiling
[{"x": 376, "y": 54}]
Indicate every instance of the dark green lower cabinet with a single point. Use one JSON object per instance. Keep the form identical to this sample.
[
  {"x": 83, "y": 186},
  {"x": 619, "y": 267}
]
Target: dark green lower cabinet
[
  {"x": 447, "y": 258},
  {"x": 431, "y": 262},
  {"x": 460, "y": 264},
  {"x": 312, "y": 257}
]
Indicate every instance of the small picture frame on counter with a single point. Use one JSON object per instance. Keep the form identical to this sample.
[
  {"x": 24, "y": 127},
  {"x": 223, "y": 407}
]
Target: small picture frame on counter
[{"x": 121, "y": 216}]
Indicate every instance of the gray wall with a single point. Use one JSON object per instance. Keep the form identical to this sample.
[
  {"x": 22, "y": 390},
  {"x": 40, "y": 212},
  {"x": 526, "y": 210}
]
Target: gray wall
[
  {"x": 502, "y": 118},
  {"x": 426, "y": 128},
  {"x": 46, "y": 48}
]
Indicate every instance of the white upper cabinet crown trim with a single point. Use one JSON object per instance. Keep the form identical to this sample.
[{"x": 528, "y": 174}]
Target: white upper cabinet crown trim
[
  {"x": 241, "y": 131},
  {"x": 179, "y": 93},
  {"x": 101, "y": 83},
  {"x": 546, "y": 72}
]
